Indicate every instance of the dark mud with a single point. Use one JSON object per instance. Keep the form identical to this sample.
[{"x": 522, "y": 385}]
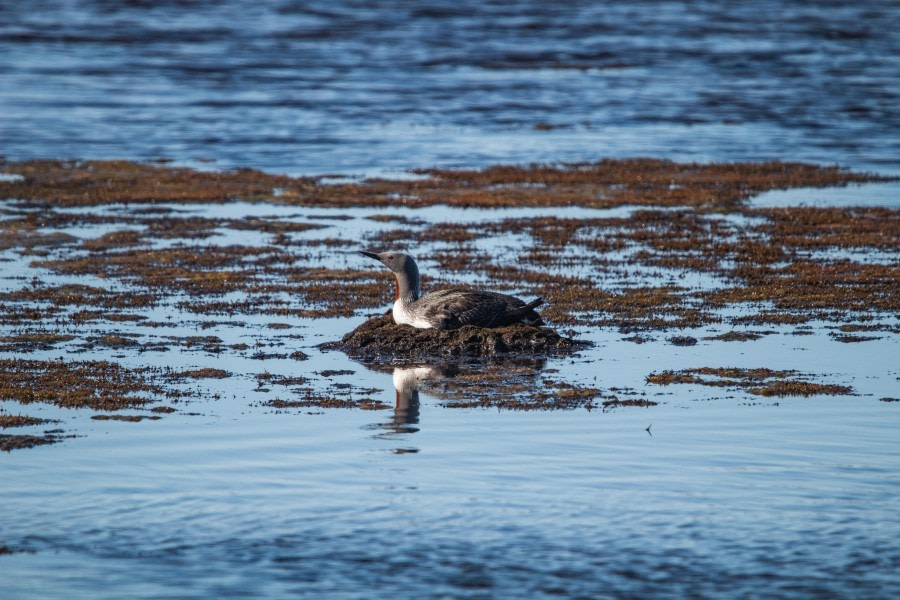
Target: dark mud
[{"x": 381, "y": 338}]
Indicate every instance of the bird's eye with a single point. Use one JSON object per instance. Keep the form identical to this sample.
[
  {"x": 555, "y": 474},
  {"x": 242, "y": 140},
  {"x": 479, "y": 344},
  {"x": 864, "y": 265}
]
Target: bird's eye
[{"x": 391, "y": 256}]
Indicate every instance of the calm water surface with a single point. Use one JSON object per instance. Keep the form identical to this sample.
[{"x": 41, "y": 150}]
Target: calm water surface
[{"x": 727, "y": 495}]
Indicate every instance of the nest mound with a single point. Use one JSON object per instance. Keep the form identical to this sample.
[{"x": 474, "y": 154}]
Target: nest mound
[{"x": 381, "y": 337}]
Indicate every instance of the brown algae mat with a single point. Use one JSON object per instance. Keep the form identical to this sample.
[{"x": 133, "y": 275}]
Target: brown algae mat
[
  {"x": 25, "y": 441},
  {"x": 633, "y": 267},
  {"x": 519, "y": 386},
  {"x": 768, "y": 269},
  {"x": 302, "y": 394},
  {"x": 9, "y": 442},
  {"x": 501, "y": 382},
  {"x": 98, "y": 385},
  {"x": 602, "y": 184},
  {"x": 95, "y": 384},
  {"x": 7, "y": 421},
  {"x": 381, "y": 338},
  {"x": 759, "y": 382},
  {"x": 694, "y": 220}
]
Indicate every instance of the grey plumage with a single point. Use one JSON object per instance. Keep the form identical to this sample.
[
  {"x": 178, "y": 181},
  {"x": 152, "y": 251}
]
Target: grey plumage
[
  {"x": 451, "y": 308},
  {"x": 455, "y": 308}
]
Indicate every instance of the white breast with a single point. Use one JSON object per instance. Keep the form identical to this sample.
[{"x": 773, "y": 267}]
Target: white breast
[{"x": 403, "y": 316}]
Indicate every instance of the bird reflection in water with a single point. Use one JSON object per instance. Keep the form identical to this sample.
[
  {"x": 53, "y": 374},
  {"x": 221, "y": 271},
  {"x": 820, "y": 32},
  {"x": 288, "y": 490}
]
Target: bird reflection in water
[
  {"x": 440, "y": 382},
  {"x": 406, "y": 406}
]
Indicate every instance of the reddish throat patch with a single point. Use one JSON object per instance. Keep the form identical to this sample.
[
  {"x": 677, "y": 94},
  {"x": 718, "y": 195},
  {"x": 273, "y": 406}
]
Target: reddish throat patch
[{"x": 396, "y": 288}]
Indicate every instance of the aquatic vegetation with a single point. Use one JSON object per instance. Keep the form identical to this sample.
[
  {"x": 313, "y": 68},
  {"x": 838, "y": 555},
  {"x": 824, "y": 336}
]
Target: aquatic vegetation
[
  {"x": 335, "y": 395},
  {"x": 29, "y": 342},
  {"x": 380, "y": 337},
  {"x": 601, "y": 184},
  {"x": 507, "y": 383},
  {"x": 736, "y": 336},
  {"x": 685, "y": 251},
  {"x": 100, "y": 385},
  {"x": 9, "y": 443},
  {"x": 312, "y": 399},
  {"x": 126, "y": 418},
  {"x": 94, "y": 384},
  {"x": 760, "y": 382},
  {"x": 7, "y": 421},
  {"x": 205, "y": 373}
]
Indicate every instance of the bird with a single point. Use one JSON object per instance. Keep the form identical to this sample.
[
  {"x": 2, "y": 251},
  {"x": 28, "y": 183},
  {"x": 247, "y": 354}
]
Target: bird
[{"x": 452, "y": 308}]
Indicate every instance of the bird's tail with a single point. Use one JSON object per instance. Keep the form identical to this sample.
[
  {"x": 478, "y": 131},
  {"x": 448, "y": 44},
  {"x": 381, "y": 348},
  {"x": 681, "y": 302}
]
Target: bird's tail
[
  {"x": 533, "y": 304},
  {"x": 526, "y": 313}
]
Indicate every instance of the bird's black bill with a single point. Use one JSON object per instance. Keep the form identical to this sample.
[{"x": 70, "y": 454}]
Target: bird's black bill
[{"x": 370, "y": 254}]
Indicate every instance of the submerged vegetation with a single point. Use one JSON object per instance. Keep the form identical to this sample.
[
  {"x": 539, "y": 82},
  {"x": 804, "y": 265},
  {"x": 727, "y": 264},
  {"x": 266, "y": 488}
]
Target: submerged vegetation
[
  {"x": 682, "y": 251},
  {"x": 99, "y": 385},
  {"x": 602, "y": 184},
  {"x": 760, "y": 382}
]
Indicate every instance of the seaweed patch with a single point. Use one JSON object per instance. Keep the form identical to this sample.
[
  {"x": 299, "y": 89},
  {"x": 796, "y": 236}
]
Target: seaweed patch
[
  {"x": 683, "y": 256},
  {"x": 380, "y": 337},
  {"x": 760, "y": 382}
]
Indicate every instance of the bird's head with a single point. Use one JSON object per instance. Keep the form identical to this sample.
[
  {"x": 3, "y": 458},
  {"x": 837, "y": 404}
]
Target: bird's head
[{"x": 398, "y": 262}]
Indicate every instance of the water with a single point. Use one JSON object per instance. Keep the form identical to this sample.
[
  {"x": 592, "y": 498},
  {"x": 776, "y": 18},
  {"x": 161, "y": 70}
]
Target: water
[
  {"x": 710, "y": 493},
  {"x": 720, "y": 500},
  {"x": 881, "y": 194},
  {"x": 372, "y": 88}
]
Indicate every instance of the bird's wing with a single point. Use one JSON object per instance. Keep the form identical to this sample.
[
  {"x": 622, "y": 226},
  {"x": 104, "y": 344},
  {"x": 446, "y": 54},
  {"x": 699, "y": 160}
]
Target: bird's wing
[{"x": 456, "y": 308}]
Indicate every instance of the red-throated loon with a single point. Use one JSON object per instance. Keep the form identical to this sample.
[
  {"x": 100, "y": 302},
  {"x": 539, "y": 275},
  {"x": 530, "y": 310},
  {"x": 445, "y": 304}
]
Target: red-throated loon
[{"x": 449, "y": 309}]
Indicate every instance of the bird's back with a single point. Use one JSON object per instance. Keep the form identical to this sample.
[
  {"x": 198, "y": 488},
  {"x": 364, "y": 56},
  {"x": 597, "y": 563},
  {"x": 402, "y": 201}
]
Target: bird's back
[{"x": 449, "y": 309}]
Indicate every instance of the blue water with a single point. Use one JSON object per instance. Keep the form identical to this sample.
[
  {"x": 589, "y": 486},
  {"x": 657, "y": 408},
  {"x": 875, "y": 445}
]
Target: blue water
[
  {"x": 727, "y": 494},
  {"x": 368, "y": 88},
  {"x": 799, "y": 501}
]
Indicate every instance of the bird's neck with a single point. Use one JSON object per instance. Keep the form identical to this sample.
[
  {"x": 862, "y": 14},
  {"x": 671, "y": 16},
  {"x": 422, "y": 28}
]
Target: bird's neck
[{"x": 407, "y": 288}]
